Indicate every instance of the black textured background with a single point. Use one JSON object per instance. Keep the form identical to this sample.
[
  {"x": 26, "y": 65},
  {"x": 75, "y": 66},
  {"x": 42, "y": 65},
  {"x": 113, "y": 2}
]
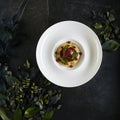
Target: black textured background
[{"x": 99, "y": 99}]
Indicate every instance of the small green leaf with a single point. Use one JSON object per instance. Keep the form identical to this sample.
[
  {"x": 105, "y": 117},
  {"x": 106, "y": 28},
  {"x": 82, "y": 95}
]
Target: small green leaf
[
  {"x": 110, "y": 45},
  {"x": 74, "y": 55},
  {"x": 64, "y": 49},
  {"x": 27, "y": 64},
  {"x": 108, "y": 28},
  {"x": 31, "y": 111},
  {"x": 47, "y": 83},
  {"x": 59, "y": 107},
  {"x": 18, "y": 114},
  {"x": 48, "y": 115},
  {"x": 64, "y": 61},
  {"x": 40, "y": 103},
  {"x": 3, "y": 114},
  {"x": 97, "y": 26},
  {"x": 110, "y": 16}
]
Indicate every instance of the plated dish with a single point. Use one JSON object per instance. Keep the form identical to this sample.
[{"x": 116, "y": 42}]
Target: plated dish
[{"x": 69, "y": 54}]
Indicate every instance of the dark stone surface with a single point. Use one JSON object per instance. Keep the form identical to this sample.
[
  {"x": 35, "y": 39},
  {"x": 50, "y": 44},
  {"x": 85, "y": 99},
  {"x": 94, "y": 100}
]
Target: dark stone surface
[
  {"x": 33, "y": 24},
  {"x": 99, "y": 99}
]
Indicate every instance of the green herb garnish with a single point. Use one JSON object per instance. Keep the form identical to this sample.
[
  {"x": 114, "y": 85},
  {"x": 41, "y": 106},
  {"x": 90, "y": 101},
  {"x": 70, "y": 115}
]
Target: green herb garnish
[
  {"x": 74, "y": 55},
  {"x": 63, "y": 60},
  {"x": 64, "y": 49}
]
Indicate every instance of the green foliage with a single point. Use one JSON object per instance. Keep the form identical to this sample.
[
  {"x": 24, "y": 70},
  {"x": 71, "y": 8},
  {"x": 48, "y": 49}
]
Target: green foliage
[
  {"x": 26, "y": 88},
  {"x": 3, "y": 114},
  {"x": 74, "y": 55},
  {"x": 48, "y": 115},
  {"x": 110, "y": 45},
  {"x": 17, "y": 114},
  {"x": 97, "y": 25},
  {"x": 31, "y": 111},
  {"x": 63, "y": 60},
  {"x": 24, "y": 91},
  {"x": 107, "y": 30}
]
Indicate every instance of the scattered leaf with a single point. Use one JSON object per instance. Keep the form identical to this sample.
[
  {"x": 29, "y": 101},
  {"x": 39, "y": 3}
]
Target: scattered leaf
[
  {"x": 48, "y": 115},
  {"x": 17, "y": 114},
  {"x": 27, "y": 64},
  {"x": 110, "y": 32},
  {"x": 74, "y": 55},
  {"x": 31, "y": 111},
  {"x": 97, "y": 26},
  {"x": 110, "y": 16},
  {"x": 47, "y": 83},
  {"x": 111, "y": 45},
  {"x": 40, "y": 103}
]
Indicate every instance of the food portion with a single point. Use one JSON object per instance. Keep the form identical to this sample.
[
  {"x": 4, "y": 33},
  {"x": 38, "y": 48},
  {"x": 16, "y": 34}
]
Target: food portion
[{"x": 68, "y": 54}]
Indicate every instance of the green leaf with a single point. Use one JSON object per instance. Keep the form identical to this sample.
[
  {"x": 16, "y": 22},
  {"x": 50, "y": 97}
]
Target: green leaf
[
  {"x": 110, "y": 45},
  {"x": 108, "y": 29},
  {"x": 110, "y": 16},
  {"x": 47, "y": 83},
  {"x": 27, "y": 64},
  {"x": 31, "y": 111},
  {"x": 40, "y": 103},
  {"x": 64, "y": 61},
  {"x": 17, "y": 114},
  {"x": 74, "y": 55},
  {"x": 97, "y": 26},
  {"x": 3, "y": 114},
  {"x": 48, "y": 115}
]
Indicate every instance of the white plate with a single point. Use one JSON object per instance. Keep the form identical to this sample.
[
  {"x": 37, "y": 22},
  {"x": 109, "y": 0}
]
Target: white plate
[{"x": 87, "y": 41}]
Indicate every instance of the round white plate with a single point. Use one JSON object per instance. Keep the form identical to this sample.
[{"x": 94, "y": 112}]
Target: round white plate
[{"x": 88, "y": 42}]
